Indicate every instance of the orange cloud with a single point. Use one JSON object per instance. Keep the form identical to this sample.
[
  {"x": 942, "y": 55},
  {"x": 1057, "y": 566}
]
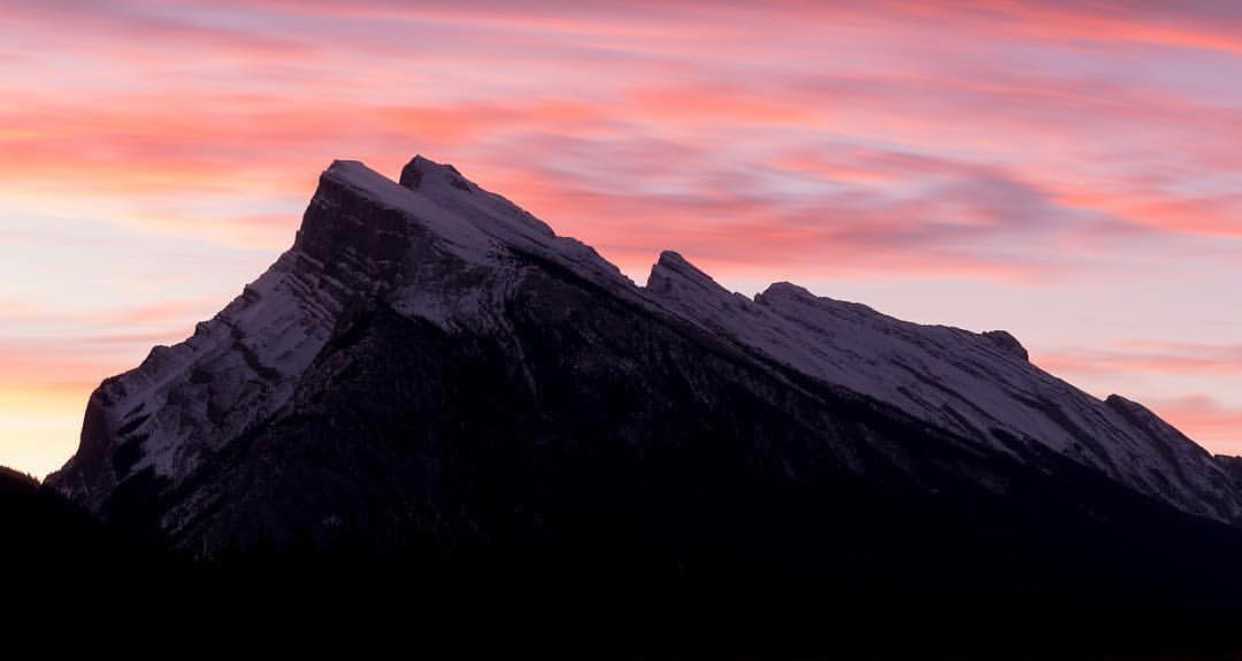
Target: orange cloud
[
  {"x": 1155, "y": 357},
  {"x": 1219, "y": 215},
  {"x": 1205, "y": 420}
]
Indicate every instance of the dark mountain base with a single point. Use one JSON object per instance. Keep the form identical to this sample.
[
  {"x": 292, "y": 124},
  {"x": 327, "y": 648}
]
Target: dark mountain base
[
  {"x": 959, "y": 599},
  {"x": 943, "y": 580},
  {"x": 465, "y": 612},
  {"x": 469, "y": 607}
]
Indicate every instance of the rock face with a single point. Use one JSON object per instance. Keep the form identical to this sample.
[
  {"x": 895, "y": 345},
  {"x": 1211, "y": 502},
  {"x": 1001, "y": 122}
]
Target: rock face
[{"x": 431, "y": 365}]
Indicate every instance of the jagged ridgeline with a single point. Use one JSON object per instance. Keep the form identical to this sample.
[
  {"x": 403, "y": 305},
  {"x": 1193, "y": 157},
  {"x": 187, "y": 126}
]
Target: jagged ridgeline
[{"x": 431, "y": 372}]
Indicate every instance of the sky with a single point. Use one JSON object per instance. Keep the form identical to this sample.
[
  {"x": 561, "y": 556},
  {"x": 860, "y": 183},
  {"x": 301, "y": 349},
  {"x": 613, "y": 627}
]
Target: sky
[{"x": 1068, "y": 171}]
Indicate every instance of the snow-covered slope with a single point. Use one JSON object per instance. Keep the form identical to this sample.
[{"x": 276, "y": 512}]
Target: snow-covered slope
[
  {"x": 978, "y": 385},
  {"x": 438, "y": 248}
]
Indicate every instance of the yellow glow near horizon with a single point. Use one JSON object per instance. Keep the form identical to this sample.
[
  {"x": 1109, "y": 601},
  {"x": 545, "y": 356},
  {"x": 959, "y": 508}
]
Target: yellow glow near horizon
[{"x": 39, "y": 427}]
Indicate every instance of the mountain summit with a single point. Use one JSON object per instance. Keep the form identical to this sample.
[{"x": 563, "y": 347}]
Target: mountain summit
[
  {"x": 432, "y": 368},
  {"x": 438, "y": 252}
]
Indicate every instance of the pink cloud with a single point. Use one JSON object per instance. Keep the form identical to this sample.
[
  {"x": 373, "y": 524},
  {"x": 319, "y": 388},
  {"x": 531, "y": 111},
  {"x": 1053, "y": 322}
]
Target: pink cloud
[
  {"x": 1206, "y": 420},
  {"x": 1161, "y": 358}
]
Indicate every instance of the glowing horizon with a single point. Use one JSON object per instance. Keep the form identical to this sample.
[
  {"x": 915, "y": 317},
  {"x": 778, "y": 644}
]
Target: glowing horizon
[{"x": 1064, "y": 172}]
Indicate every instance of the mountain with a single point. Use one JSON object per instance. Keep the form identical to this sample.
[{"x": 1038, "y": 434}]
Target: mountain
[{"x": 431, "y": 373}]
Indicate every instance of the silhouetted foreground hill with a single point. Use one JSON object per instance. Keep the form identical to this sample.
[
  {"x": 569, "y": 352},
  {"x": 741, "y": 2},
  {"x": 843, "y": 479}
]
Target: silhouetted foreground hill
[
  {"x": 38, "y": 522},
  {"x": 46, "y": 538},
  {"x": 433, "y": 416}
]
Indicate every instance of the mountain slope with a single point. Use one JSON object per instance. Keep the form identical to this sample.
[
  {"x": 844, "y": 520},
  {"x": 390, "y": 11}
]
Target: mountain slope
[{"x": 981, "y": 386}]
